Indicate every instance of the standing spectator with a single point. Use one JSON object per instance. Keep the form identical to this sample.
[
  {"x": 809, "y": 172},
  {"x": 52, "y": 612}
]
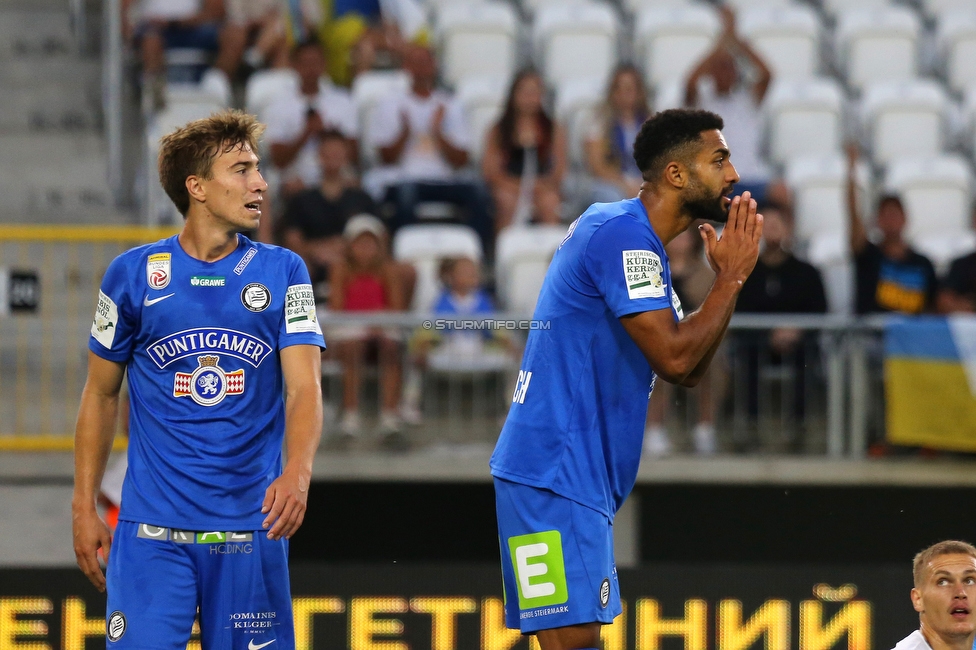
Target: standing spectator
[
  {"x": 780, "y": 284},
  {"x": 422, "y": 135},
  {"x": 367, "y": 281},
  {"x": 691, "y": 279},
  {"x": 717, "y": 85},
  {"x": 610, "y": 141},
  {"x": 160, "y": 25},
  {"x": 261, "y": 31},
  {"x": 296, "y": 121},
  {"x": 891, "y": 276},
  {"x": 315, "y": 218},
  {"x": 525, "y": 157}
]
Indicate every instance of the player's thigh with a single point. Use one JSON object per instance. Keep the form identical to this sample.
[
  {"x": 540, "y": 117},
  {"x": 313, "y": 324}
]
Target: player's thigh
[
  {"x": 245, "y": 593},
  {"x": 557, "y": 560},
  {"x": 152, "y": 590}
]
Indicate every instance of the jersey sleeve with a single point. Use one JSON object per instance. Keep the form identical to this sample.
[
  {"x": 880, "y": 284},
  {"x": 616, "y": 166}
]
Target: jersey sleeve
[
  {"x": 300, "y": 323},
  {"x": 626, "y": 263},
  {"x": 116, "y": 315}
]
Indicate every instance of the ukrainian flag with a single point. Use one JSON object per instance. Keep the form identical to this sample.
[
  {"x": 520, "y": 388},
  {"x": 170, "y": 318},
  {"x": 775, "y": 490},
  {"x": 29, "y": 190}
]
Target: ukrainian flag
[{"x": 930, "y": 382}]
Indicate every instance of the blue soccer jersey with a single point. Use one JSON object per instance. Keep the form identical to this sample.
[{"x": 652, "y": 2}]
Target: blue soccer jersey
[
  {"x": 577, "y": 419},
  {"x": 201, "y": 342}
]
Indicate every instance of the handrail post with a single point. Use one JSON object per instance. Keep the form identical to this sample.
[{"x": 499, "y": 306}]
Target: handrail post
[{"x": 834, "y": 343}]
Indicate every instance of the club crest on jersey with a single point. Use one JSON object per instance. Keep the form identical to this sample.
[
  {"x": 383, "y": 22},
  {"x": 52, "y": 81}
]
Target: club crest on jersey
[
  {"x": 208, "y": 384},
  {"x": 256, "y": 297},
  {"x": 158, "y": 270}
]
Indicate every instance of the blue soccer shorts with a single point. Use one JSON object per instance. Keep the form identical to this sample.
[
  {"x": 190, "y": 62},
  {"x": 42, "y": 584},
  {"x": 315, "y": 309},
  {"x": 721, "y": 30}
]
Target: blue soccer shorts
[
  {"x": 557, "y": 560},
  {"x": 158, "y": 577}
]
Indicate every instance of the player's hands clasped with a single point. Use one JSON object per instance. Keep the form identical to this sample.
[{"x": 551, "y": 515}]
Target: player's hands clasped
[
  {"x": 284, "y": 503},
  {"x": 734, "y": 255},
  {"x": 89, "y": 534}
]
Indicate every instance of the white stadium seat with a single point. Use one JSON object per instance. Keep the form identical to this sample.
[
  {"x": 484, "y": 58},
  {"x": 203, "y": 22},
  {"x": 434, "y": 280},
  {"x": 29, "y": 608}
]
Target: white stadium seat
[
  {"x": 575, "y": 41},
  {"x": 533, "y": 6},
  {"x": 425, "y": 246},
  {"x": 483, "y": 99},
  {"x": 265, "y": 86},
  {"x": 956, "y": 36},
  {"x": 938, "y": 8},
  {"x": 576, "y": 101},
  {"x": 742, "y": 5},
  {"x": 636, "y": 6},
  {"x": 877, "y": 44},
  {"x": 670, "y": 41},
  {"x": 836, "y": 7},
  {"x": 522, "y": 256},
  {"x": 937, "y": 195},
  {"x": 904, "y": 119},
  {"x": 803, "y": 118},
  {"x": 969, "y": 119},
  {"x": 477, "y": 39},
  {"x": 786, "y": 37},
  {"x": 368, "y": 88}
]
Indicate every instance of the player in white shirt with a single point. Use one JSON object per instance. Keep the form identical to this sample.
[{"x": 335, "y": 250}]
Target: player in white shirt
[{"x": 944, "y": 596}]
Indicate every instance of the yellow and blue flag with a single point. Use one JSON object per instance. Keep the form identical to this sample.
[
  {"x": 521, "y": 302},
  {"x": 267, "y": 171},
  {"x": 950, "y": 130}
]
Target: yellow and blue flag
[{"x": 930, "y": 382}]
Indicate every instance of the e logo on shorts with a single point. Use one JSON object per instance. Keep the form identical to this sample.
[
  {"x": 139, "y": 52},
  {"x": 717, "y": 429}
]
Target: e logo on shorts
[{"x": 539, "y": 569}]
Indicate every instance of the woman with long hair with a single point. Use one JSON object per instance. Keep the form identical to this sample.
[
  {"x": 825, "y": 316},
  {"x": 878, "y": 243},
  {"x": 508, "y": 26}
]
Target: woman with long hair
[{"x": 525, "y": 157}]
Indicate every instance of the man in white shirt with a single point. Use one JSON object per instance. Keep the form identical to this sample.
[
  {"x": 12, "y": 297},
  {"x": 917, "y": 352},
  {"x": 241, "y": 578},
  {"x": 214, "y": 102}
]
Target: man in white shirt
[
  {"x": 422, "y": 137},
  {"x": 944, "y": 596},
  {"x": 297, "y": 119}
]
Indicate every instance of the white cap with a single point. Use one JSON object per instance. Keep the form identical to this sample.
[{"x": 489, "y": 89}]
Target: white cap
[{"x": 362, "y": 223}]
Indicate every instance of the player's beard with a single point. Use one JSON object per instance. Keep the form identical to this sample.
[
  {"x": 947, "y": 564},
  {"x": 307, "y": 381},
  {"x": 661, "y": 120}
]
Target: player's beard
[{"x": 702, "y": 204}]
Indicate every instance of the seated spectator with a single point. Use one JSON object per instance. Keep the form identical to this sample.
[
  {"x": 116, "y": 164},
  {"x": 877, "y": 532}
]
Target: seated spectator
[
  {"x": 717, "y": 85},
  {"x": 161, "y": 25},
  {"x": 780, "y": 284},
  {"x": 314, "y": 219},
  {"x": 422, "y": 137},
  {"x": 692, "y": 279},
  {"x": 259, "y": 31},
  {"x": 463, "y": 296},
  {"x": 367, "y": 281},
  {"x": 958, "y": 291},
  {"x": 610, "y": 141},
  {"x": 296, "y": 121},
  {"x": 525, "y": 157},
  {"x": 891, "y": 276}
]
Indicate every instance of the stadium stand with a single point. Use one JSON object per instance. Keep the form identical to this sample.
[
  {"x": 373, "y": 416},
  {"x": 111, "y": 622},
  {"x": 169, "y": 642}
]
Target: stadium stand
[
  {"x": 804, "y": 118},
  {"x": 477, "y": 39},
  {"x": 905, "y": 119},
  {"x": 669, "y": 41},
  {"x": 956, "y": 38},
  {"x": 786, "y": 36},
  {"x": 424, "y": 246},
  {"x": 574, "y": 41},
  {"x": 877, "y": 44}
]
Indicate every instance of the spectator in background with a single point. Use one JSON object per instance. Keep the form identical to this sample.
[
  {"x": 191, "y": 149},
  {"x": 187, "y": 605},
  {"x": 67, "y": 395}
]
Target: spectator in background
[
  {"x": 609, "y": 142},
  {"x": 367, "y": 281},
  {"x": 261, "y": 31},
  {"x": 780, "y": 284},
  {"x": 890, "y": 275},
  {"x": 692, "y": 278},
  {"x": 160, "y": 25},
  {"x": 717, "y": 85},
  {"x": 958, "y": 290},
  {"x": 525, "y": 157},
  {"x": 315, "y": 218},
  {"x": 423, "y": 138},
  {"x": 297, "y": 121}
]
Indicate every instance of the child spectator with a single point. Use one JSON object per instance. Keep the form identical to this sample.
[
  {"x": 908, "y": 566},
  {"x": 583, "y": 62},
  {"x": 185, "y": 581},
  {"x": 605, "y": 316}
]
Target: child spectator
[
  {"x": 610, "y": 141},
  {"x": 525, "y": 157},
  {"x": 367, "y": 281}
]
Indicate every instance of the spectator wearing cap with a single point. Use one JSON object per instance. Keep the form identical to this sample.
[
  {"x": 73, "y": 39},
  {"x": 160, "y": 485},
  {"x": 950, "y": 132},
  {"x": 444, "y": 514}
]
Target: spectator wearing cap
[
  {"x": 297, "y": 120},
  {"x": 367, "y": 280},
  {"x": 891, "y": 276},
  {"x": 314, "y": 219}
]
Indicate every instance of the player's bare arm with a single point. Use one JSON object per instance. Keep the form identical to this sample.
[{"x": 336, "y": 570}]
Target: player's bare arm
[
  {"x": 94, "y": 433},
  {"x": 286, "y": 497},
  {"x": 679, "y": 352}
]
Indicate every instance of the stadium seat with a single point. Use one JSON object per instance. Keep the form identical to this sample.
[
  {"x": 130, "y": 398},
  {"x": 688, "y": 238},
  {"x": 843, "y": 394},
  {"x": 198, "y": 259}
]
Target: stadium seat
[
  {"x": 877, "y": 45},
  {"x": 575, "y": 41},
  {"x": 636, "y": 6},
  {"x": 904, "y": 119},
  {"x": 937, "y": 8},
  {"x": 483, "y": 99},
  {"x": 937, "y": 195},
  {"x": 424, "y": 246},
  {"x": 575, "y": 104},
  {"x": 803, "y": 118},
  {"x": 522, "y": 255},
  {"x": 670, "y": 41},
  {"x": 531, "y": 7},
  {"x": 787, "y": 37},
  {"x": 956, "y": 37},
  {"x": 368, "y": 88},
  {"x": 969, "y": 120},
  {"x": 835, "y": 7},
  {"x": 477, "y": 39},
  {"x": 742, "y": 5},
  {"x": 181, "y": 107},
  {"x": 265, "y": 86}
]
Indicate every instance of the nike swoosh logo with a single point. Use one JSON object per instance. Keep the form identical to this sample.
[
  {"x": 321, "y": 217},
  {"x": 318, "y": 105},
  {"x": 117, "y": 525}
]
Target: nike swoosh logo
[
  {"x": 252, "y": 646},
  {"x": 149, "y": 303}
]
